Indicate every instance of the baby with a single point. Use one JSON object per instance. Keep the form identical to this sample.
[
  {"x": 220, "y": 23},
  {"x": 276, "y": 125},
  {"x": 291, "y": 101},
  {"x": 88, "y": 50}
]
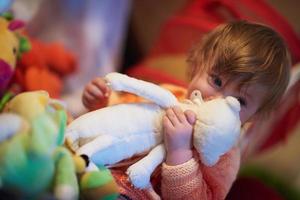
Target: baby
[{"x": 240, "y": 59}]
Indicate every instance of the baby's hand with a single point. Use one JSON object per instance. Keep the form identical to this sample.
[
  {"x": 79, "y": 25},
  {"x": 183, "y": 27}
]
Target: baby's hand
[
  {"x": 178, "y": 132},
  {"x": 95, "y": 94}
]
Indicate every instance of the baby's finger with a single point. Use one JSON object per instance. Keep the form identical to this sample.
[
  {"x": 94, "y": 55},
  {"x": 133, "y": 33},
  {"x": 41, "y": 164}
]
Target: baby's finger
[
  {"x": 190, "y": 116},
  {"x": 85, "y": 102},
  {"x": 101, "y": 84},
  {"x": 179, "y": 114},
  {"x": 94, "y": 91},
  {"x": 88, "y": 97},
  {"x": 166, "y": 122},
  {"x": 172, "y": 116}
]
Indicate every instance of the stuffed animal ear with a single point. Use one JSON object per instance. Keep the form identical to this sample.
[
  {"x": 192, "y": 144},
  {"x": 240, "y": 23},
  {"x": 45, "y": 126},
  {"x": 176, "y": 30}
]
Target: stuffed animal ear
[{"x": 196, "y": 97}]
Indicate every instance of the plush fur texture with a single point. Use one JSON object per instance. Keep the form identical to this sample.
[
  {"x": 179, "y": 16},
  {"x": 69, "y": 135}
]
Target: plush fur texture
[
  {"x": 114, "y": 133},
  {"x": 33, "y": 160}
]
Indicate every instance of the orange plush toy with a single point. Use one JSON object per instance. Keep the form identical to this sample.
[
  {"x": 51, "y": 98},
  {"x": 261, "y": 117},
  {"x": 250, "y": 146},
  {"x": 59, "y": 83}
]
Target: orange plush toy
[{"x": 44, "y": 67}]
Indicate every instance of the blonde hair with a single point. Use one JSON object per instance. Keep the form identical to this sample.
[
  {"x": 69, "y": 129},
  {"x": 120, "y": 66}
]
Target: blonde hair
[{"x": 246, "y": 52}]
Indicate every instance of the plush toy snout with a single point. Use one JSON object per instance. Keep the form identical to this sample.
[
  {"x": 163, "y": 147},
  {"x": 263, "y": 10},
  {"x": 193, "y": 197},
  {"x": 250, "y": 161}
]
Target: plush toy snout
[{"x": 196, "y": 97}]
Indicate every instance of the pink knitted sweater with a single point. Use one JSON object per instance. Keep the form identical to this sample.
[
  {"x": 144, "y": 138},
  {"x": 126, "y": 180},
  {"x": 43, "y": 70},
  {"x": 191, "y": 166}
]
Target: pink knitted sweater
[{"x": 190, "y": 180}]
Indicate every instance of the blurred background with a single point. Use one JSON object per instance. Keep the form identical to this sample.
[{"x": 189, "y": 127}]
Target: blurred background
[{"x": 149, "y": 40}]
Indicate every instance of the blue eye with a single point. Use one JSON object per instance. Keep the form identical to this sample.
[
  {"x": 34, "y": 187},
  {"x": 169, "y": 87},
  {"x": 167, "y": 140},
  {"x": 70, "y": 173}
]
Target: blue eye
[{"x": 217, "y": 81}]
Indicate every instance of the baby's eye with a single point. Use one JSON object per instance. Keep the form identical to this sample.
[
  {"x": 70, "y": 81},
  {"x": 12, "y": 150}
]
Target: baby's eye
[
  {"x": 217, "y": 81},
  {"x": 242, "y": 101}
]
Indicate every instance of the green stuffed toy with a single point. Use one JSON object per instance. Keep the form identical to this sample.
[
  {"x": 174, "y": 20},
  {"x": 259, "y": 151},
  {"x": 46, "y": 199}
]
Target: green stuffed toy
[{"x": 33, "y": 160}]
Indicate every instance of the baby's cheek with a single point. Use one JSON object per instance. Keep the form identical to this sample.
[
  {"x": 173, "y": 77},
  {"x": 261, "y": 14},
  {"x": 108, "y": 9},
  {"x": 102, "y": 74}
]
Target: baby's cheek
[
  {"x": 247, "y": 113},
  {"x": 244, "y": 117}
]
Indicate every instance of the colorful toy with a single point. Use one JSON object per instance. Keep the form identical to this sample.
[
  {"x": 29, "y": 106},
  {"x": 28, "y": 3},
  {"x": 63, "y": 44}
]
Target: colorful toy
[
  {"x": 41, "y": 68},
  {"x": 8, "y": 52},
  {"x": 44, "y": 67},
  {"x": 33, "y": 161},
  {"x": 114, "y": 133},
  {"x": 12, "y": 45},
  {"x": 30, "y": 152}
]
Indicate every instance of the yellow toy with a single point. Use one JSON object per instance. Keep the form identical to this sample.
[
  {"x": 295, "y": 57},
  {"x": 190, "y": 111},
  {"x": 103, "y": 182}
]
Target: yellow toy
[
  {"x": 12, "y": 45},
  {"x": 8, "y": 53}
]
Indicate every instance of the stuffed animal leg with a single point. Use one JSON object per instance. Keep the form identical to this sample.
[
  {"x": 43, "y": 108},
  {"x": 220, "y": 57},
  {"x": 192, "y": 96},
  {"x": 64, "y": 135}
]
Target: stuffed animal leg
[
  {"x": 65, "y": 183},
  {"x": 140, "y": 172}
]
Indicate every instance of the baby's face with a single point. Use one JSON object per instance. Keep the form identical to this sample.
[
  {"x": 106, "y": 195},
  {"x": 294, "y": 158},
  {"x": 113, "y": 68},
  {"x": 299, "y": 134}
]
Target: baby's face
[{"x": 213, "y": 86}]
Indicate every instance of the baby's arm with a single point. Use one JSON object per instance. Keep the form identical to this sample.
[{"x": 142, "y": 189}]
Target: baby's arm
[
  {"x": 178, "y": 132},
  {"x": 192, "y": 180}
]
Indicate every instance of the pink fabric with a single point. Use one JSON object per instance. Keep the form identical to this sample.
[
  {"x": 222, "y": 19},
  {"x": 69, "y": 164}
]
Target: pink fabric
[
  {"x": 190, "y": 180},
  {"x": 193, "y": 180}
]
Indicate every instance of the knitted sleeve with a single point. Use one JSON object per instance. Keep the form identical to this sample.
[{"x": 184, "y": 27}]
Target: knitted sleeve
[{"x": 192, "y": 180}]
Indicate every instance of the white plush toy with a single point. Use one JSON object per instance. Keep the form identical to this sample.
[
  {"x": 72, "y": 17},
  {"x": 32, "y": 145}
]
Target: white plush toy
[{"x": 114, "y": 133}]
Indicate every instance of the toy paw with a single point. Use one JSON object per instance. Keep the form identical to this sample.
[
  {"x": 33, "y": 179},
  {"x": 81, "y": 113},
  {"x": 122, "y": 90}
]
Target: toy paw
[
  {"x": 138, "y": 176},
  {"x": 66, "y": 192},
  {"x": 211, "y": 147},
  {"x": 209, "y": 150},
  {"x": 98, "y": 185},
  {"x": 210, "y": 160}
]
